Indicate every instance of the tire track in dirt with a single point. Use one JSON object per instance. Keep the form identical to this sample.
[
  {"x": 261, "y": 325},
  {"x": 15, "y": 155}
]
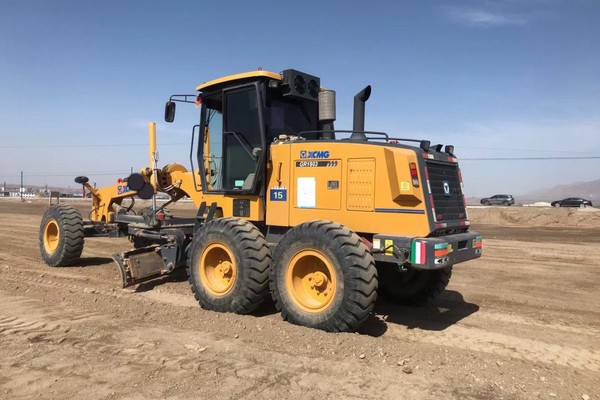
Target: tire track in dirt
[
  {"x": 475, "y": 339},
  {"x": 470, "y": 338},
  {"x": 118, "y": 350},
  {"x": 31, "y": 330},
  {"x": 189, "y": 302},
  {"x": 517, "y": 320},
  {"x": 175, "y": 299},
  {"x": 135, "y": 348}
]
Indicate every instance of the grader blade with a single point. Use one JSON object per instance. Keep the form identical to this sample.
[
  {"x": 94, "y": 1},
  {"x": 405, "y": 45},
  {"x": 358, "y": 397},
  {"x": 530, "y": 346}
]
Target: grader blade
[{"x": 139, "y": 265}]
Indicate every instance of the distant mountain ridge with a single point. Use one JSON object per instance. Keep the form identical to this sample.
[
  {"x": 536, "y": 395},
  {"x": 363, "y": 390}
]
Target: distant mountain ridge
[{"x": 587, "y": 190}]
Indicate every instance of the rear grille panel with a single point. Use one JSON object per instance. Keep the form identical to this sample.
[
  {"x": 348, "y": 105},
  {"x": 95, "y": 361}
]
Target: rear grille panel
[{"x": 446, "y": 191}]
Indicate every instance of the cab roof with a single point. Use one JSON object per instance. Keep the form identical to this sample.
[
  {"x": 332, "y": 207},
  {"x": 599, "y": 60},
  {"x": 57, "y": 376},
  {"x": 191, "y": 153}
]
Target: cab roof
[{"x": 237, "y": 77}]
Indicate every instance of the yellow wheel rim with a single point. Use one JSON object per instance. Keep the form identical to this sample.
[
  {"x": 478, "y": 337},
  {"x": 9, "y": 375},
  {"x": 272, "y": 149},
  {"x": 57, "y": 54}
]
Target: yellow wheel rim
[
  {"x": 218, "y": 269},
  {"x": 311, "y": 281},
  {"x": 51, "y": 236}
]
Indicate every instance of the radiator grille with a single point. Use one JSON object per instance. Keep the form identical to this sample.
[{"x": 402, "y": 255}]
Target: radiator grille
[{"x": 446, "y": 191}]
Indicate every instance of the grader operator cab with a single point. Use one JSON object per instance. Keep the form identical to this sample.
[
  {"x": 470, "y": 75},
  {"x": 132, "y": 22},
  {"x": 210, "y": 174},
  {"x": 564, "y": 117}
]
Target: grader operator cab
[{"x": 284, "y": 208}]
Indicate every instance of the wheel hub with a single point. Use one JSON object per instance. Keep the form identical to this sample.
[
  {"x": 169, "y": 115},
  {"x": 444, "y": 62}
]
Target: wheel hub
[
  {"x": 319, "y": 280},
  {"x": 217, "y": 269},
  {"x": 51, "y": 236},
  {"x": 311, "y": 281},
  {"x": 224, "y": 270}
]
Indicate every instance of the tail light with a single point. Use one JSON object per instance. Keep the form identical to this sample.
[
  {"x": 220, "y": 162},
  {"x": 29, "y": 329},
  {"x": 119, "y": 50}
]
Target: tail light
[{"x": 413, "y": 174}]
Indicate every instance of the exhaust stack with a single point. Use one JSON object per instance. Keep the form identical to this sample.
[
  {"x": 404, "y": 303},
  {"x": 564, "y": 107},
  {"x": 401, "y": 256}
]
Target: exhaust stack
[{"x": 359, "y": 114}]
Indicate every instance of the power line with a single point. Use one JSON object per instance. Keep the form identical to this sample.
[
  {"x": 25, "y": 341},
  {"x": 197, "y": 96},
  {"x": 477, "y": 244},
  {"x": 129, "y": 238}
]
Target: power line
[
  {"x": 527, "y": 158},
  {"x": 86, "y": 145},
  {"x": 99, "y": 173},
  {"x": 524, "y": 149},
  {"x": 62, "y": 175},
  {"x": 462, "y": 147},
  {"x": 123, "y": 172}
]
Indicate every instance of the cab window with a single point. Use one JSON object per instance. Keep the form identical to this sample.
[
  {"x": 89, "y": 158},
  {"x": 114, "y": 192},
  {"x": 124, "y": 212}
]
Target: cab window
[
  {"x": 289, "y": 116},
  {"x": 242, "y": 139},
  {"x": 213, "y": 150}
]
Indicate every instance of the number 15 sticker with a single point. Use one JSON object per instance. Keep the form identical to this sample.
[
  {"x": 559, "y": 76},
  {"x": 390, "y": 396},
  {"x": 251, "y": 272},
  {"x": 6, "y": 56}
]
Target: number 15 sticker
[{"x": 278, "y": 194}]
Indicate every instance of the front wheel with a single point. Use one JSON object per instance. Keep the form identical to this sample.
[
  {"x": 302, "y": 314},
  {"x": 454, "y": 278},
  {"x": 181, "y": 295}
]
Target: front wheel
[
  {"x": 506, "y": 203},
  {"x": 557, "y": 205},
  {"x": 412, "y": 287},
  {"x": 324, "y": 277},
  {"x": 485, "y": 203},
  {"x": 61, "y": 235},
  {"x": 229, "y": 266}
]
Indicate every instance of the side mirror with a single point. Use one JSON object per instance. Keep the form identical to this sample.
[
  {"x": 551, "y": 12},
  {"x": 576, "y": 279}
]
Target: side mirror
[{"x": 170, "y": 111}]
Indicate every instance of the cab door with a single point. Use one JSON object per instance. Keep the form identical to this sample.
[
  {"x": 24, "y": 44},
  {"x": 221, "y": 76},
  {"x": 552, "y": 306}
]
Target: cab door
[{"x": 243, "y": 140}]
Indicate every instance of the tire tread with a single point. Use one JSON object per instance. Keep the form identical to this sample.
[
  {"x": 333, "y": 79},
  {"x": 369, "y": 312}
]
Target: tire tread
[
  {"x": 253, "y": 266},
  {"x": 358, "y": 270},
  {"x": 71, "y": 235}
]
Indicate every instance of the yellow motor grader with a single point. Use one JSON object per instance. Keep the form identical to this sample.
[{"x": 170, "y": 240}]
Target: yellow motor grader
[{"x": 284, "y": 208}]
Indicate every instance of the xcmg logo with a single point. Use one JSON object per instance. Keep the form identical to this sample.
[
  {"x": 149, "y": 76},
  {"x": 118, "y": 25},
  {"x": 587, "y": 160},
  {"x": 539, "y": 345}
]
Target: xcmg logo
[{"x": 314, "y": 154}]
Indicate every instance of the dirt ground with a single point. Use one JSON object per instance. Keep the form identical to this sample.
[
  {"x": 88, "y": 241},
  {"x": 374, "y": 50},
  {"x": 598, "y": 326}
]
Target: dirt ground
[{"x": 522, "y": 322}]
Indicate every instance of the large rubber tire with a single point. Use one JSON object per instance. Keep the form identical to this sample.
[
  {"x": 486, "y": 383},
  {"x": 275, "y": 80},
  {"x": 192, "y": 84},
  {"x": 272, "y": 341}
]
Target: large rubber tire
[
  {"x": 61, "y": 235},
  {"x": 324, "y": 277},
  {"x": 486, "y": 203},
  {"x": 229, "y": 266},
  {"x": 411, "y": 287}
]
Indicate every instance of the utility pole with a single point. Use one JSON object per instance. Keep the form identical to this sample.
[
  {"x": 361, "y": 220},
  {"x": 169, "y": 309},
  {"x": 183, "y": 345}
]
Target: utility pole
[{"x": 21, "y": 186}]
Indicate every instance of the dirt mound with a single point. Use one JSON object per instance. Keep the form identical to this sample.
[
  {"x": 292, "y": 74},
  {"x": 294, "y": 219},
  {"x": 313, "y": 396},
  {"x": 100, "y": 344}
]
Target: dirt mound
[{"x": 535, "y": 216}]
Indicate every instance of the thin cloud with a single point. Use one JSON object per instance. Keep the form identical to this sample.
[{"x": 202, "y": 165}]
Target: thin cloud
[{"x": 481, "y": 18}]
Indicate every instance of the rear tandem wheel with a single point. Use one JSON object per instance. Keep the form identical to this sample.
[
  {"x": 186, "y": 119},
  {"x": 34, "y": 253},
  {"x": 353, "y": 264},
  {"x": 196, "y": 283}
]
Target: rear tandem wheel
[
  {"x": 324, "y": 277},
  {"x": 411, "y": 287}
]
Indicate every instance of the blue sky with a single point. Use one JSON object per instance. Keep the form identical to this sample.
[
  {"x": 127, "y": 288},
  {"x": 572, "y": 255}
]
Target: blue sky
[{"x": 80, "y": 80}]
